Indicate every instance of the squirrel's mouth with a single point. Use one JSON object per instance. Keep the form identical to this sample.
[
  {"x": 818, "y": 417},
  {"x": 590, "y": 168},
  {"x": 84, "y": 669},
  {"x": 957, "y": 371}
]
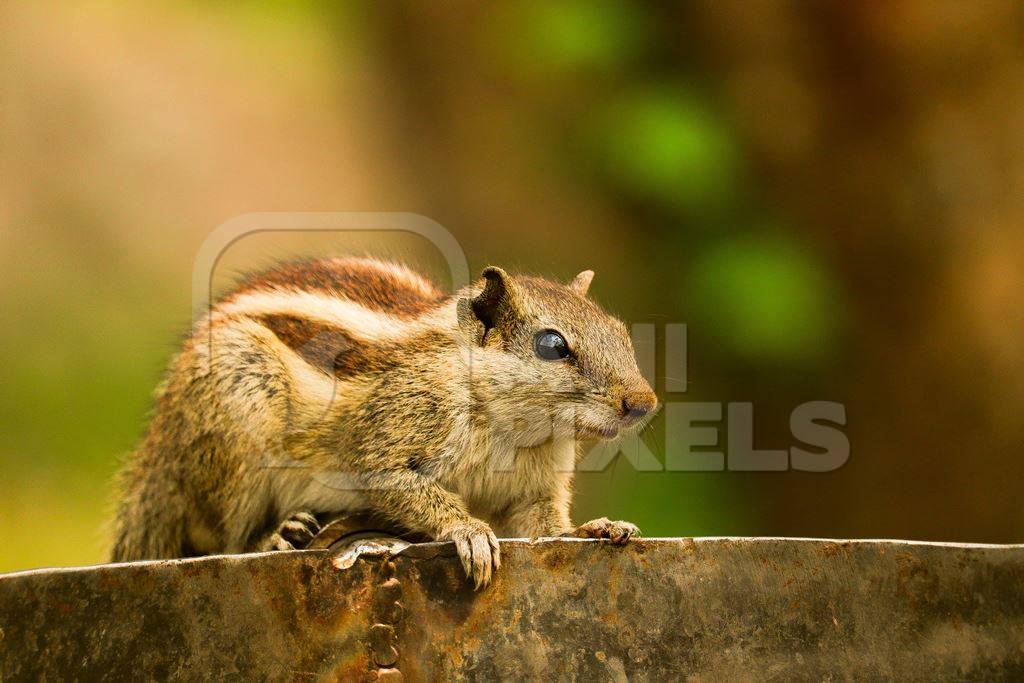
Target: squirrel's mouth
[
  {"x": 585, "y": 429},
  {"x": 591, "y": 431},
  {"x": 598, "y": 424}
]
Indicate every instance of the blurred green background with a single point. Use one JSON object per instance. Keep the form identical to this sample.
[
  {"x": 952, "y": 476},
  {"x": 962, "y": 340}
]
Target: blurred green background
[{"x": 829, "y": 194}]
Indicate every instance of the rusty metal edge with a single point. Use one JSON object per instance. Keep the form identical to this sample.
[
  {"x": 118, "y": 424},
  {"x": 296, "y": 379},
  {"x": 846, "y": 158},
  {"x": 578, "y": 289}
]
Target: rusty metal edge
[{"x": 447, "y": 549}]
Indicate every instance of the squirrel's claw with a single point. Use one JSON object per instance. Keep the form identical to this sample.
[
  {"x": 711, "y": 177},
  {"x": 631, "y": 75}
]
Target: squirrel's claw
[
  {"x": 299, "y": 529},
  {"x": 617, "y": 532},
  {"x": 294, "y": 532},
  {"x": 478, "y": 550}
]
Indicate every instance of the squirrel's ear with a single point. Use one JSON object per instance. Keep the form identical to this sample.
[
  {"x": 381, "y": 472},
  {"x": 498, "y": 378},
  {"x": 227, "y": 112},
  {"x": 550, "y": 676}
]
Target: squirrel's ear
[
  {"x": 496, "y": 295},
  {"x": 581, "y": 283}
]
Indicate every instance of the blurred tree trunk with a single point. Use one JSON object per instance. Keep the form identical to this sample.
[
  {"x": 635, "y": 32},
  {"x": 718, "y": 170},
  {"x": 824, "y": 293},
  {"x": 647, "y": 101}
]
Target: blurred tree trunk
[{"x": 893, "y": 132}]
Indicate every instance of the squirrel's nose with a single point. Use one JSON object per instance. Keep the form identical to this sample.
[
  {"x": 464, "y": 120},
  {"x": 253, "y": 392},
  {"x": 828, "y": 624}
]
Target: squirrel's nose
[{"x": 636, "y": 404}]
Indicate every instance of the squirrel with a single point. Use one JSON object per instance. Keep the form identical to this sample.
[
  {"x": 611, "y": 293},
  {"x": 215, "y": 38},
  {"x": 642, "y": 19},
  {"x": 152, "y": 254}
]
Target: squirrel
[{"x": 340, "y": 385}]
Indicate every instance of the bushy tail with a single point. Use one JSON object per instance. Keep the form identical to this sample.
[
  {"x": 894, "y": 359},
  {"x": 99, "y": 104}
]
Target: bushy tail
[{"x": 150, "y": 519}]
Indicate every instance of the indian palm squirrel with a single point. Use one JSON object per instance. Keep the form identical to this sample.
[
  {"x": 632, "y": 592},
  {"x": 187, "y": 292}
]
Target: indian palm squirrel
[{"x": 342, "y": 385}]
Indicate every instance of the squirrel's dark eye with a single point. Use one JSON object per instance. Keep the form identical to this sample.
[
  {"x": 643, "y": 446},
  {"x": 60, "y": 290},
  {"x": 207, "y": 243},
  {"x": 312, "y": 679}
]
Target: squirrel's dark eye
[{"x": 550, "y": 345}]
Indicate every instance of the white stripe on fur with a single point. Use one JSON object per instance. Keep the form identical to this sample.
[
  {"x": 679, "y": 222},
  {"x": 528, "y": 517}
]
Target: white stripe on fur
[{"x": 358, "y": 321}]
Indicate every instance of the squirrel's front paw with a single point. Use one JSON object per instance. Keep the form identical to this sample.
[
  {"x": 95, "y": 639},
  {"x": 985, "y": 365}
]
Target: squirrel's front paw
[
  {"x": 477, "y": 547},
  {"x": 293, "y": 533},
  {"x": 617, "y": 532}
]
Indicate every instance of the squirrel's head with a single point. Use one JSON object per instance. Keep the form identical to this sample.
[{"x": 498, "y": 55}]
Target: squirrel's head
[{"x": 552, "y": 352}]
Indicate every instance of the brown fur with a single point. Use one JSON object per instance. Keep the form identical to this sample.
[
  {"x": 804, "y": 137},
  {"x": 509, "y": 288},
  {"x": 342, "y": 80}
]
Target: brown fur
[
  {"x": 329, "y": 348},
  {"x": 376, "y": 393},
  {"x": 359, "y": 280}
]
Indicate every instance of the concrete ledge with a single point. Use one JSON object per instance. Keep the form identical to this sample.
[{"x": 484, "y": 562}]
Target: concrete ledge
[{"x": 657, "y": 609}]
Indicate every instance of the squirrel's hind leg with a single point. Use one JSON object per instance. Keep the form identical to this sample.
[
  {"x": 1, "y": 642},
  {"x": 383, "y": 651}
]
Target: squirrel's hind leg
[{"x": 293, "y": 533}]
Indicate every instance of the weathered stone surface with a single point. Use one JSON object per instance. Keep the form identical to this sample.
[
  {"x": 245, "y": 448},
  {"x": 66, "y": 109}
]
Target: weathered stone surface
[{"x": 654, "y": 610}]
